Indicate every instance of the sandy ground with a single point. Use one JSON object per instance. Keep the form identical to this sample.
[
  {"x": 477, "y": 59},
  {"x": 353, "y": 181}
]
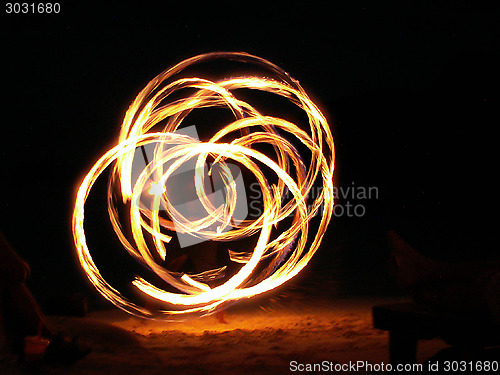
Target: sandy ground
[{"x": 258, "y": 339}]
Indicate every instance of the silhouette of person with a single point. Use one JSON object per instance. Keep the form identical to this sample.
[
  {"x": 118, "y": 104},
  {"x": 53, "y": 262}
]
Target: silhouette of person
[{"x": 20, "y": 315}]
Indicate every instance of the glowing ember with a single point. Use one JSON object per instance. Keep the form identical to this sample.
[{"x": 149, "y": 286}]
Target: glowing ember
[{"x": 153, "y": 121}]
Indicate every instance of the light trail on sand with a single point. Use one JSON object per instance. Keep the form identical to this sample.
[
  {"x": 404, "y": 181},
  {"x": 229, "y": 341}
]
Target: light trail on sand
[{"x": 152, "y": 120}]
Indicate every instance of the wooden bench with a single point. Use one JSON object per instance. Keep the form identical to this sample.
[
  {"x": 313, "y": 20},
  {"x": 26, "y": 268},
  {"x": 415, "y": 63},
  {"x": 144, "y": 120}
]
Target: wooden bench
[{"x": 407, "y": 323}]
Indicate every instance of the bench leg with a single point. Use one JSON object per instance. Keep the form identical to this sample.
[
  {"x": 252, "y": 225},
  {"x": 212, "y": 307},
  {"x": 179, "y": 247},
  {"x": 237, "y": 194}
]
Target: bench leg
[{"x": 402, "y": 347}]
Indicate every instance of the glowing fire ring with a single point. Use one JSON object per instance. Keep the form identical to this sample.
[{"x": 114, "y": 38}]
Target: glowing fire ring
[{"x": 287, "y": 251}]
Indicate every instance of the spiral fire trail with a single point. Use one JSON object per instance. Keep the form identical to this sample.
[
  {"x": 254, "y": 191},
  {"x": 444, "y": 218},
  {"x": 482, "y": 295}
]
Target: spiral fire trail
[{"x": 152, "y": 120}]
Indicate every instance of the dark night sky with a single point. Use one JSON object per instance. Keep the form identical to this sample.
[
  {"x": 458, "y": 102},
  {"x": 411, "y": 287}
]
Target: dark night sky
[{"x": 408, "y": 88}]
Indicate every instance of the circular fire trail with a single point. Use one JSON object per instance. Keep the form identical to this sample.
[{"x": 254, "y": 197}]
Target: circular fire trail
[{"x": 269, "y": 148}]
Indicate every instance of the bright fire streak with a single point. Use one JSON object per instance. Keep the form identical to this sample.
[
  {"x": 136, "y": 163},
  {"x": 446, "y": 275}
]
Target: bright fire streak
[
  {"x": 278, "y": 258},
  {"x": 156, "y": 189}
]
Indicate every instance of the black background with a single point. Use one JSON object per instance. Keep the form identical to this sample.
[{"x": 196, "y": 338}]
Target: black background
[{"x": 410, "y": 89}]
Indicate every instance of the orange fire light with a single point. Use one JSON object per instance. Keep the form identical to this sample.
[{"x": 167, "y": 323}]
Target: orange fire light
[{"x": 285, "y": 255}]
